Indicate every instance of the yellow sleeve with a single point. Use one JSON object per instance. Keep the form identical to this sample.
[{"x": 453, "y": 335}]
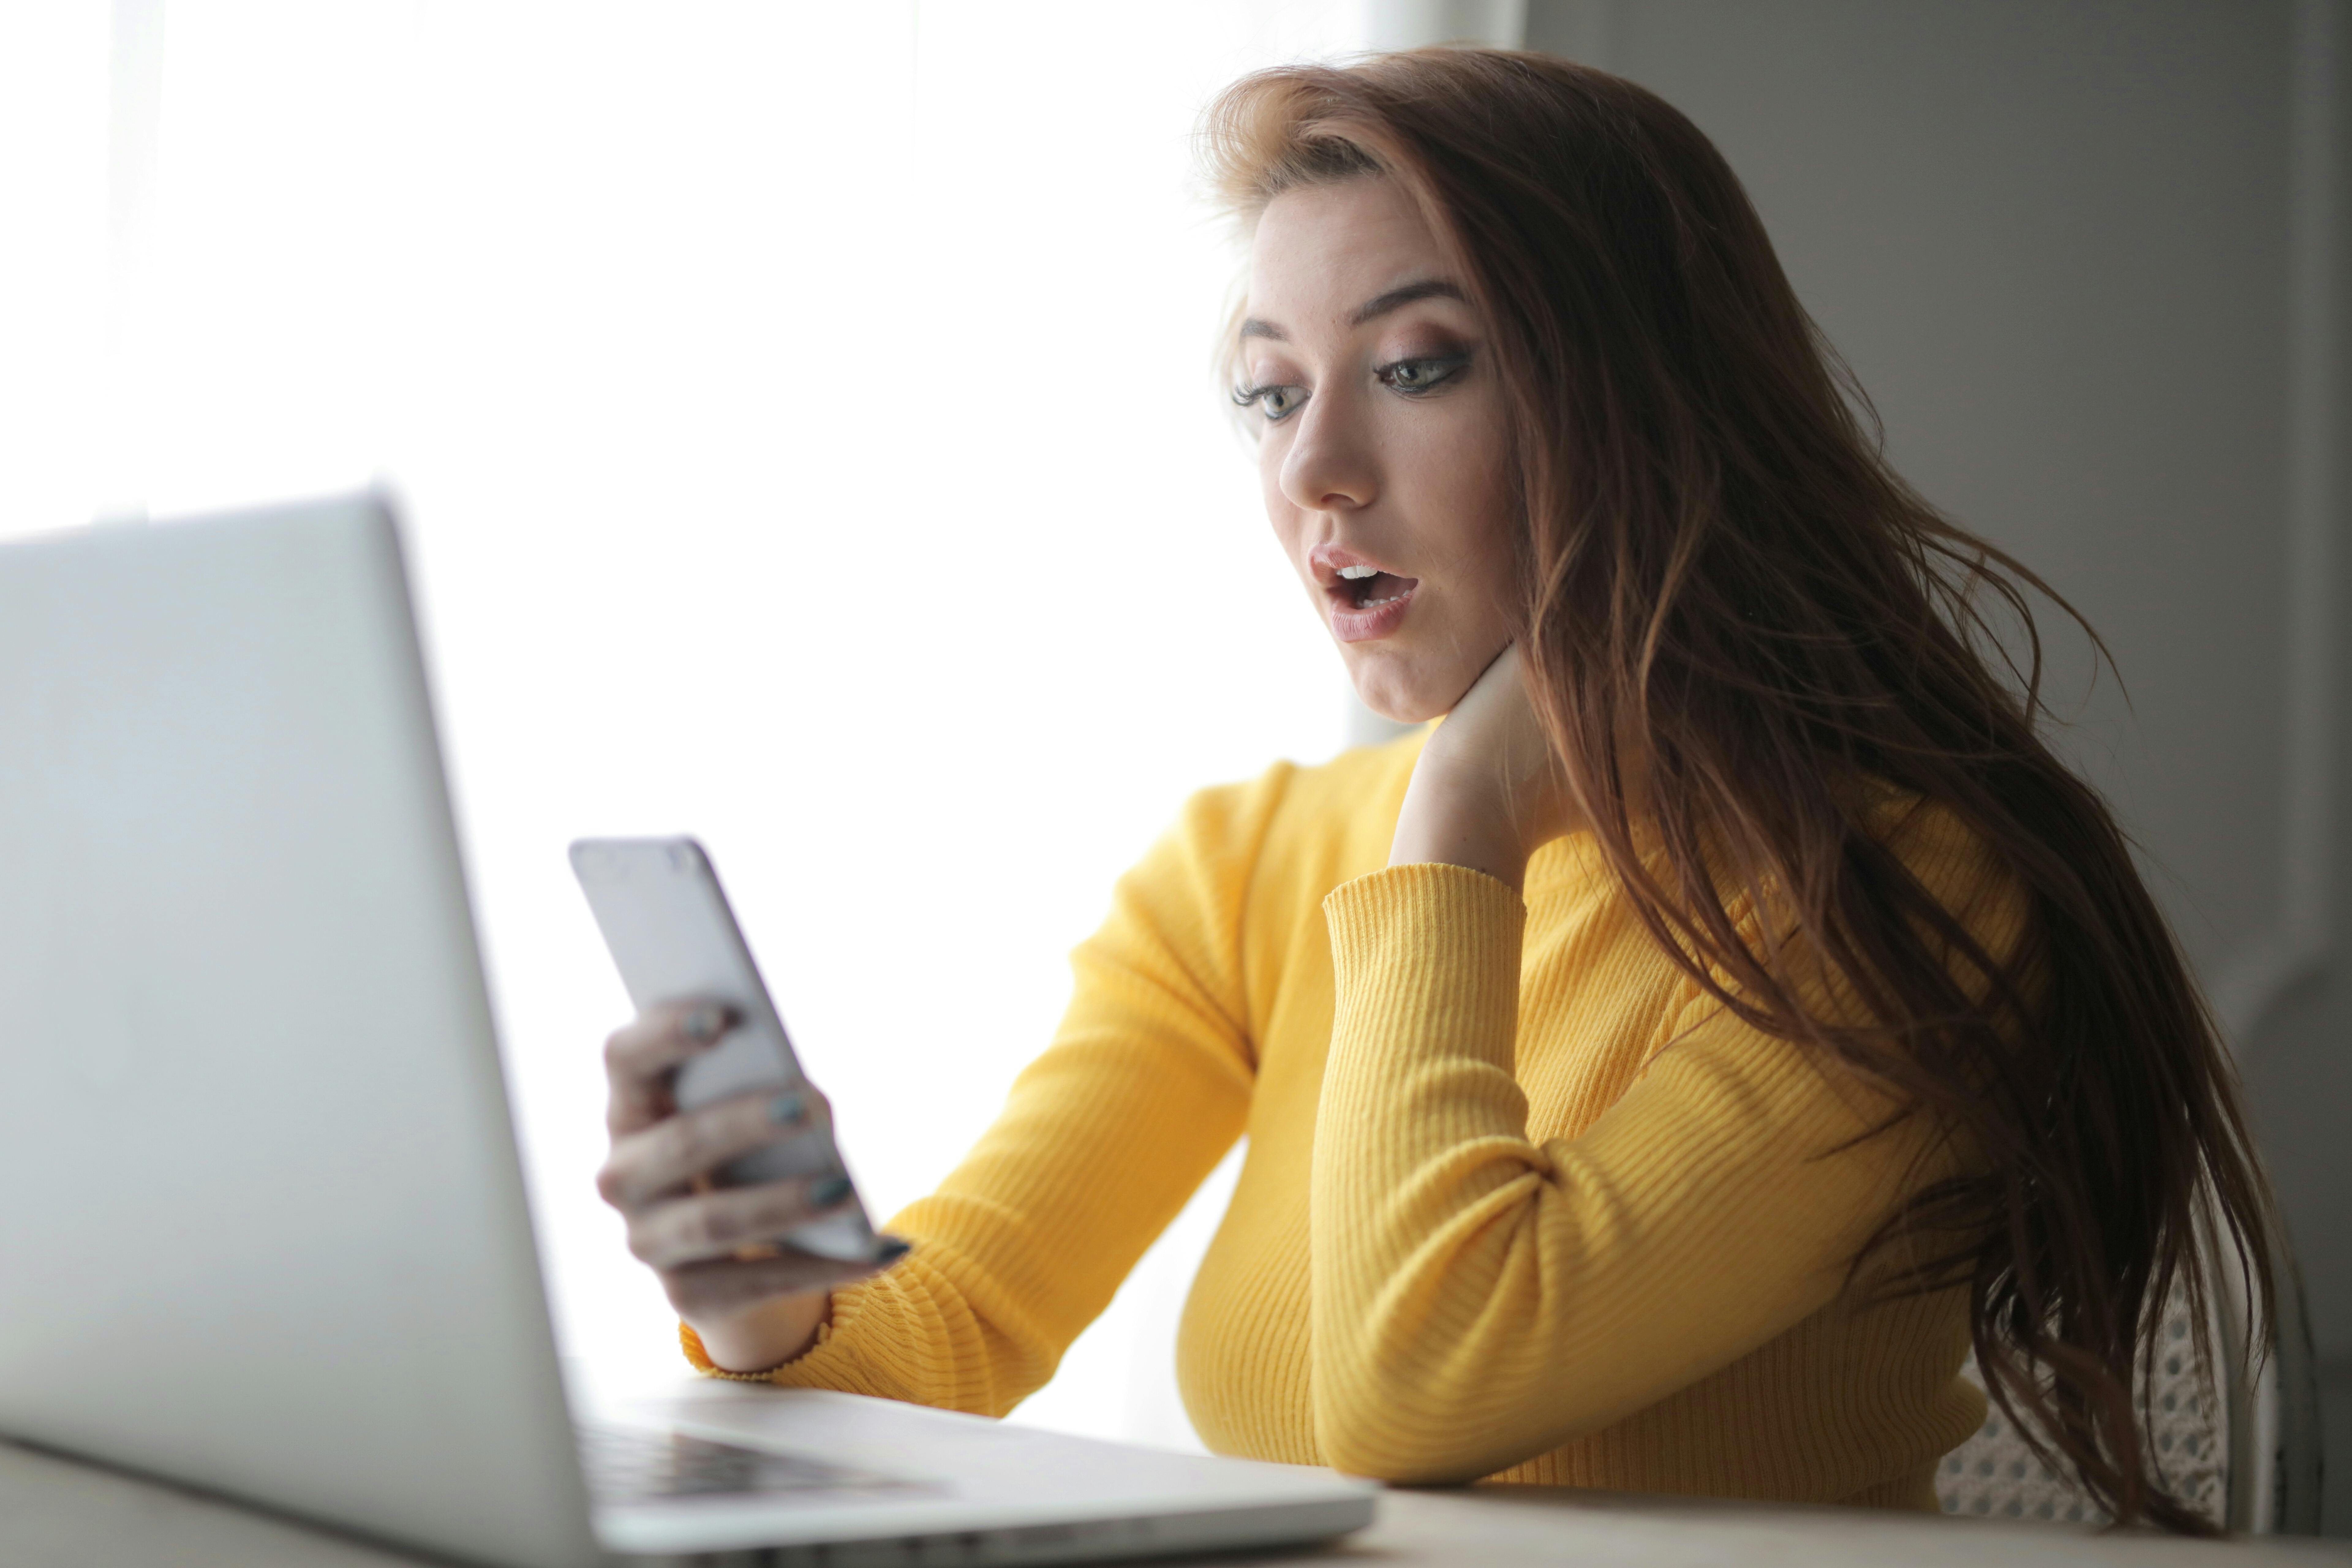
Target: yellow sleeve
[
  {"x": 1146, "y": 1084},
  {"x": 1478, "y": 1298}
]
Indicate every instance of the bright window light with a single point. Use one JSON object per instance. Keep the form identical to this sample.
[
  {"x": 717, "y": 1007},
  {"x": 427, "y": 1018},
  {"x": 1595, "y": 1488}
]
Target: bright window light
[{"x": 805, "y": 419}]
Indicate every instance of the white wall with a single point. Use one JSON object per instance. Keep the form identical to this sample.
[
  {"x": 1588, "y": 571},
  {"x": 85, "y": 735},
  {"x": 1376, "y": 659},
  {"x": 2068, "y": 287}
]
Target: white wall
[{"x": 2079, "y": 253}]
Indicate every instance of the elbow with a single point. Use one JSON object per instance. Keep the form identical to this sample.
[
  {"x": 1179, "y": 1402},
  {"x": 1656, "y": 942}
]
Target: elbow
[
  {"x": 1389, "y": 1466},
  {"x": 1375, "y": 1427}
]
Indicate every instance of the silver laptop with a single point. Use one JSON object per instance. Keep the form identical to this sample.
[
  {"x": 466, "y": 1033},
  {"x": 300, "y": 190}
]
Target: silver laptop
[{"x": 265, "y": 1232}]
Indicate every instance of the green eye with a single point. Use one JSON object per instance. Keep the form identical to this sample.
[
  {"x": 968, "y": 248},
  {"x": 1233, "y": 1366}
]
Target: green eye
[
  {"x": 1421, "y": 375},
  {"x": 1276, "y": 403}
]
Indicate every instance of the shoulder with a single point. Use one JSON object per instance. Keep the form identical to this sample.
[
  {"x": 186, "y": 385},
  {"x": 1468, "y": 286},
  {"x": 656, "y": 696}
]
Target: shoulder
[
  {"x": 1336, "y": 812},
  {"x": 1954, "y": 862},
  {"x": 1908, "y": 861},
  {"x": 1245, "y": 862},
  {"x": 1286, "y": 838}
]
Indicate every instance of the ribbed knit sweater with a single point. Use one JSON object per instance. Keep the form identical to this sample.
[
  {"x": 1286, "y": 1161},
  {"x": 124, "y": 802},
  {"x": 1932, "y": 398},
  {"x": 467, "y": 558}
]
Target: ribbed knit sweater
[{"x": 1520, "y": 1200}]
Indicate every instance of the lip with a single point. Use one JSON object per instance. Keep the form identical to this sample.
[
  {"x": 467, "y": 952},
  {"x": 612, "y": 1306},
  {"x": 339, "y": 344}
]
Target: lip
[
  {"x": 1325, "y": 558},
  {"x": 1350, "y": 624}
]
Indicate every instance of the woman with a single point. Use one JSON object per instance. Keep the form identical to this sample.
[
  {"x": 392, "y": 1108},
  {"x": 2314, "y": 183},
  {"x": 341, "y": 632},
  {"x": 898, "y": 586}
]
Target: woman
[{"x": 1660, "y": 1074}]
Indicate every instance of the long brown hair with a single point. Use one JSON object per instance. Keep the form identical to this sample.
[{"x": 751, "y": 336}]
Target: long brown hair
[{"x": 1721, "y": 567}]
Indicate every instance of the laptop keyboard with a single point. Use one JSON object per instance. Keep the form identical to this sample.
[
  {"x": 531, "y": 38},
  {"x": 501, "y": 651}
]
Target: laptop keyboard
[{"x": 632, "y": 1464}]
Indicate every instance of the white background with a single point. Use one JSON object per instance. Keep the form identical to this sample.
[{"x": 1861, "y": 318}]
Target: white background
[{"x": 806, "y": 421}]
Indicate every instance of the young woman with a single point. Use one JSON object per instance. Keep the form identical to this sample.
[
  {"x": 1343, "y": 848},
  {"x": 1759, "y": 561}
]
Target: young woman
[{"x": 1662, "y": 1073}]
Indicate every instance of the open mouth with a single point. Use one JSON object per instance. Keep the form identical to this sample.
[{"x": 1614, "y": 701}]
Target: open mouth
[{"x": 1369, "y": 587}]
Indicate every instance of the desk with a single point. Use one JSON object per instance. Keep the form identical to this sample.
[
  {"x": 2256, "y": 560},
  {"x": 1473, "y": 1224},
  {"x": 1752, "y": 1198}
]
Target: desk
[{"x": 55, "y": 1513}]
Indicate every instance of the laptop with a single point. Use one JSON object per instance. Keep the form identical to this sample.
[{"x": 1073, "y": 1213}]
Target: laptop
[{"x": 266, "y": 1234}]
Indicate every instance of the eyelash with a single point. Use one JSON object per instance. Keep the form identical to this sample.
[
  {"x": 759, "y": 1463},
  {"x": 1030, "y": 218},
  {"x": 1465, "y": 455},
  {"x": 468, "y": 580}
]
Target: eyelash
[{"x": 1451, "y": 366}]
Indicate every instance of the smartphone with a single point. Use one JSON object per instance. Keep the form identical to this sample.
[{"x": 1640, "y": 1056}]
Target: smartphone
[{"x": 674, "y": 938}]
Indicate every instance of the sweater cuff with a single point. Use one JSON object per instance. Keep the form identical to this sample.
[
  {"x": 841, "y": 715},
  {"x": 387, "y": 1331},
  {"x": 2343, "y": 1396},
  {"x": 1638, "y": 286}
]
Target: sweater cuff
[{"x": 1427, "y": 955}]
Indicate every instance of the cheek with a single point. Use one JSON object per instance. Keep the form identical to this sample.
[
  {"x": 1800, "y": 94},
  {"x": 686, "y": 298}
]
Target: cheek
[
  {"x": 1463, "y": 489},
  {"x": 1493, "y": 546},
  {"x": 1485, "y": 480},
  {"x": 1287, "y": 519},
  {"x": 1270, "y": 450}
]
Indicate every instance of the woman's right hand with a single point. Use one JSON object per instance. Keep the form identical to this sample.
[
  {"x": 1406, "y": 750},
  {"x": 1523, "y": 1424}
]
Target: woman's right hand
[
  {"x": 1487, "y": 790},
  {"x": 753, "y": 1301}
]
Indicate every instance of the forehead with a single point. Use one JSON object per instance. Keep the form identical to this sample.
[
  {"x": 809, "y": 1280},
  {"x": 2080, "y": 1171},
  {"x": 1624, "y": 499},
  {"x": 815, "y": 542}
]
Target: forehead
[{"x": 1322, "y": 251}]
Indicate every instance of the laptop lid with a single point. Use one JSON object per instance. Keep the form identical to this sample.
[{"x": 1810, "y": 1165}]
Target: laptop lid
[{"x": 265, "y": 1232}]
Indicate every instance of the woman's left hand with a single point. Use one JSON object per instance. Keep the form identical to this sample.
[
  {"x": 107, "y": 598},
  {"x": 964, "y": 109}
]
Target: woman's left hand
[{"x": 1487, "y": 792}]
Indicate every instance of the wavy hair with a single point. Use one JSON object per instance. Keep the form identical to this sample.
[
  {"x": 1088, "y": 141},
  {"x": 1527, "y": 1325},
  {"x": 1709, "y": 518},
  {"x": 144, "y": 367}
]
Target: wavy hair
[{"x": 1722, "y": 570}]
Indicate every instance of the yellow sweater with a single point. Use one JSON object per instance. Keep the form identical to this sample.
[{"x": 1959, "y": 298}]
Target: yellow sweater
[{"x": 1520, "y": 1202}]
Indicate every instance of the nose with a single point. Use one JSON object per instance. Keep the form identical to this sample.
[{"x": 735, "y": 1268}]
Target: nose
[{"x": 1329, "y": 464}]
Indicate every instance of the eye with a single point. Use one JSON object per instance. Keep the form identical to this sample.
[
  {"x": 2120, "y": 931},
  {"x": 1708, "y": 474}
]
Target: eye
[
  {"x": 1276, "y": 403},
  {"x": 1423, "y": 373}
]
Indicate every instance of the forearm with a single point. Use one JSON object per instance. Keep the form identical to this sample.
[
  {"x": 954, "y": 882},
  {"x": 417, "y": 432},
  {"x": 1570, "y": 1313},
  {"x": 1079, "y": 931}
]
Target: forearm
[
  {"x": 1480, "y": 1298},
  {"x": 1100, "y": 1144},
  {"x": 1420, "y": 1175}
]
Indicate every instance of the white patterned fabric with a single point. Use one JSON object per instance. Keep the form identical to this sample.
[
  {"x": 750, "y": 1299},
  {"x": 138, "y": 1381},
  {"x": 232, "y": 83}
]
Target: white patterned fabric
[{"x": 1994, "y": 1473}]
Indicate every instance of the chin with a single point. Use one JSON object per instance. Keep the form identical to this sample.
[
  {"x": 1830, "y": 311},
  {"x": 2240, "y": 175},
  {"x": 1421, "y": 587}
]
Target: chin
[{"x": 1404, "y": 693}]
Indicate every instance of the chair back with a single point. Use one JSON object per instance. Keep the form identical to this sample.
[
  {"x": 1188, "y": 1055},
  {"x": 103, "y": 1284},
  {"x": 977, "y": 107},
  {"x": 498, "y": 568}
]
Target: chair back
[{"x": 2246, "y": 1455}]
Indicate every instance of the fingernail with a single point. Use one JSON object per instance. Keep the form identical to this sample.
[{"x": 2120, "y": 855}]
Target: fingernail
[
  {"x": 788, "y": 1110},
  {"x": 890, "y": 1249},
  {"x": 703, "y": 1024},
  {"x": 829, "y": 1192}
]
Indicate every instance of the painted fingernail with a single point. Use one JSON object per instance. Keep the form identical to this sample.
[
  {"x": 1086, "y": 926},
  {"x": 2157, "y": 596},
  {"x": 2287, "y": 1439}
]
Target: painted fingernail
[
  {"x": 703, "y": 1024},
  {"x": 829, "y": 1192},
  {"x": 788, "y": 1110},
  {"x": 890, "y": 1249}
]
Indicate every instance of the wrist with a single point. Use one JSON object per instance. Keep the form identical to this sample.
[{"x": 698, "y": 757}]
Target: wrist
[
  {"x": 1449, "y": 821},
  {"x": 775, "y": 1332}
]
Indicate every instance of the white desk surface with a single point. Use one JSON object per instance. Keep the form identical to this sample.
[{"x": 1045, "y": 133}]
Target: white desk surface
[{"x": 56, "y": 1513}]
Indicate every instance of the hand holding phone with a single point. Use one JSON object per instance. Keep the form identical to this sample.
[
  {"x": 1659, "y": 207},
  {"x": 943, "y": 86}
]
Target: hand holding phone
[{"x": 723, "y": 1162}]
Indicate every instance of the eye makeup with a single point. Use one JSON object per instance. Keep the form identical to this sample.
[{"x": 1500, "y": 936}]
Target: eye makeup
[{"x": 1421, "y": 375}]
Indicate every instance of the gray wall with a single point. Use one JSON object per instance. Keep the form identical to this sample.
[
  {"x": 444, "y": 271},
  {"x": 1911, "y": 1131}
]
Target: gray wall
[{"x": 2083, "y": 256}]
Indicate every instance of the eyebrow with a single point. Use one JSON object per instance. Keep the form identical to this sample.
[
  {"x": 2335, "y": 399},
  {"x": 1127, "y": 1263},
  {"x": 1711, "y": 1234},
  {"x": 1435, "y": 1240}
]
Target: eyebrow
[
  {"x": 1370, "y": 310},
  {"x": 1397, "y": 299}
]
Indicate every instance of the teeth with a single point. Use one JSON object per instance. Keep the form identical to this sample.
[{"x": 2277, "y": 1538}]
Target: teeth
[
  {"x": 1355, "y": 573},
  {"x": 1375, "y": 604}
]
